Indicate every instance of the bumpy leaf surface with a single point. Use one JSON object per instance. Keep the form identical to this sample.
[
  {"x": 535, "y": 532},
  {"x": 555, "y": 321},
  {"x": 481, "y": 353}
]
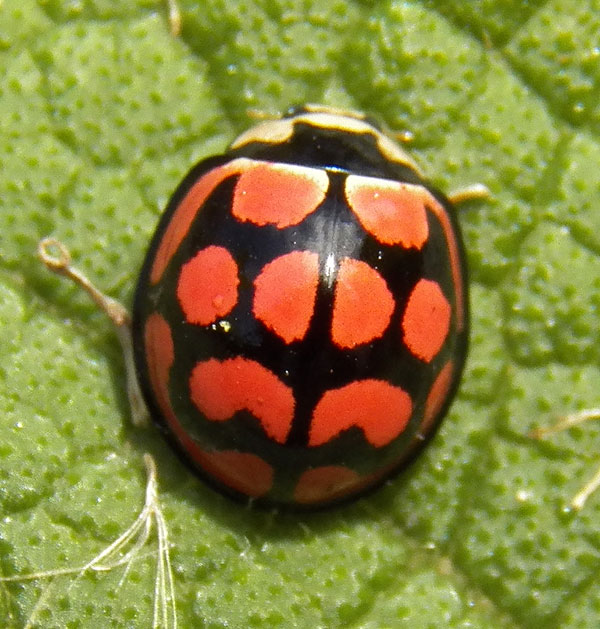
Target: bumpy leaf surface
[{"x": 103, "y": 111}]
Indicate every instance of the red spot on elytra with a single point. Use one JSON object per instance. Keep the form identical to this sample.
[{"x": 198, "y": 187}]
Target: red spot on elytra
[
  {"x": 335, "y": 482},
  {"x": 363, "y": 304},
  {"x": 285, "y": 292},
  {"x": 438, "y": 394},
  {"x": 186, "y": 211},
  {"x": 160, "y": 355},
  {"x": 221, "y": 389},
  {"x": 243, "y": 471},
  {"x": 207, "y": 285},
  {"x": 378, "y": 408},
  {"x": 393, "y": 212},
  {"x": 326, "y": 483},
  {"x": 278, "y": 194},
  {"x": 426, "y": 320}
]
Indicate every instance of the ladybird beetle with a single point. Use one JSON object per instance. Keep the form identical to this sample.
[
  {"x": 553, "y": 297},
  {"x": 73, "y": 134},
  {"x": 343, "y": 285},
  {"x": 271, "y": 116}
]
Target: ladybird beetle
[{"x": 301, "y": 318}]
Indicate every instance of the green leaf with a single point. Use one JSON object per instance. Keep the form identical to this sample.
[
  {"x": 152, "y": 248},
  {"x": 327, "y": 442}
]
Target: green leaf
[{"x": 103, "y": 111}]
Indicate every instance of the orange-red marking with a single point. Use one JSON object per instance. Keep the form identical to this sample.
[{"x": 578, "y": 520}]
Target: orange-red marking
[
  {"x": 186, "y": 211},
  {"x": 220, "y": 389},
  {"x": 278, "y": 194},
  {"x": 322, "y": 484},
  {"x": 160, "y": 355},
  {"x": 378, "y": 408},
  {"x": 333, "y": 482},
  {"x": 394, "y": 217},
  {"x": 285, "y": 292},
  {"x": 426, "y": 320},
  {"x": 242, "y": 471},
  {"x": 207, "y": 286},
  {"x": 437, "y": 396},
  {"x": 389, "y": 210},
  {"x": 362, "y": 307}
]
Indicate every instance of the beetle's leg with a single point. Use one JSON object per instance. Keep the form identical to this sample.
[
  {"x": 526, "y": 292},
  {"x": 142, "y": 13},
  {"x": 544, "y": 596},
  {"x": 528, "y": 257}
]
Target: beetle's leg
[
  {"x": 566, "y": 422},
  {"x": 174, "y": 17},
  {"x": 116, "y": 312}
]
